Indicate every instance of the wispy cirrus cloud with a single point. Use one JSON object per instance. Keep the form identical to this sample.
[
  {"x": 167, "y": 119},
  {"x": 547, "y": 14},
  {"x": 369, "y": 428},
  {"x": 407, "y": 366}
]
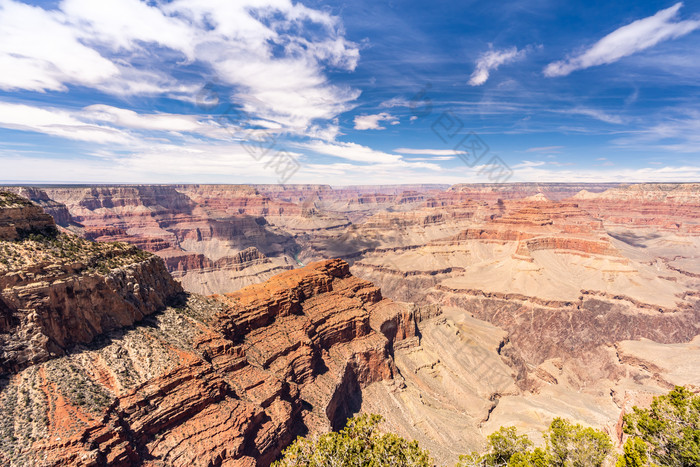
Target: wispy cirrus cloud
[
  {"x": 432, "y": 159},
  {"x": 545, "y": 149},
  {"x": 59, "y": 123},
  {"x": 627, "y": 40},
  {"x": 490, "y": 61},
  {"x": 108, "y": 125},
  {"x": 673, "y": 134},
  {"x": 351, "y": 151},
  {"x": 429, "y": 152},
  {"x": 596, "y": 114}
]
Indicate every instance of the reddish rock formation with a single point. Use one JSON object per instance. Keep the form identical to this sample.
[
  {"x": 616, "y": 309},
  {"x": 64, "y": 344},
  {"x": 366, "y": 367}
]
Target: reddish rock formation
[
  {"x": 57, "y": 210},
  {"x": 543, "y": 225},
  {"x": 57, "y": 290},
  {"x": 228, "y": 381},
  {"x": 232, "y": 379},
  {"x": 180, "y": 263},
  {"x": 555, "y": 191},
  {"x": 672, "y": 207}
]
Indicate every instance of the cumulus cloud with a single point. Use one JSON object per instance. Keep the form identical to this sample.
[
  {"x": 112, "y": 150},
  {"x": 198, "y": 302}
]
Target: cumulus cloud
[
  {"x": 273, "y": 54},
  {"x": 490, "y": 61},
  {"x": 39, "y": 51},
  {"x": 627, "y": 40},
  {"x": 372, "y": 122}
]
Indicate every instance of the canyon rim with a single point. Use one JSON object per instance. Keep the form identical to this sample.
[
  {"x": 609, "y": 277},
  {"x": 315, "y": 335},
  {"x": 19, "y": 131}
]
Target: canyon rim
[{"x": 323, "y": 233}]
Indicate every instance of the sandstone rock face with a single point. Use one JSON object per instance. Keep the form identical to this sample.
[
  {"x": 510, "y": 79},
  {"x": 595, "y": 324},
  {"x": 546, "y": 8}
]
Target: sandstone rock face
[
  {"x": 670, "y": 207},
  {"x": 566, "y": 282},
  {"x": 57, "y": 210},
  {"x": 49, "y": 313},
  {"x": 230, "y": 380},
  {"x": 204, "y": 240},
  {"x": 557, "y": 300},
  {"x": 552, "y": 191},
  {"x": 201, "y": 230},
  {"x": 57, "y": 290},
  {"x": 19, "y": 217}
]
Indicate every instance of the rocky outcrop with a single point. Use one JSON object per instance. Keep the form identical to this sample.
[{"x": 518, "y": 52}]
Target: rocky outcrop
[
  {"x": 588, "y": 247},
  {"x": 543, "y": 225},
  {"x": 253, "y": 370},
  {"x": 181, "y": 263},
  {"x": 199, "y": 231},
  {"x": 19, "y": 218},
  {"x": 57, "y": 210},
  {"x": 49, "y": 313},
  {"x": 669, "y": 206},
  {"x": 554, "y": 191},
  {"x": 57, "y": 290}
]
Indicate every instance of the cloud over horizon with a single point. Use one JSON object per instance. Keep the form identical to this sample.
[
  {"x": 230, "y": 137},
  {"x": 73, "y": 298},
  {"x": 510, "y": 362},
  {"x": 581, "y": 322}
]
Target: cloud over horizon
[{"x": 211, "y": 90}]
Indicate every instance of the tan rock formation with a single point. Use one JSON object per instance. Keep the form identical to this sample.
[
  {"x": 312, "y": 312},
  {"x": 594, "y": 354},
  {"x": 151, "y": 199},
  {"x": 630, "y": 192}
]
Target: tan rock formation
[{"x": 19, "y": 218}]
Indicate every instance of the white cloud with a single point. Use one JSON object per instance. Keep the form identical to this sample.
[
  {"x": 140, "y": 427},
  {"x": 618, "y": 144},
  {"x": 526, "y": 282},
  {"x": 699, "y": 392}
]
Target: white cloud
[
  {"x": 395, "y": 102},
  {"x": 352, "y": 151},
  {"x": 528, "y": 164},
  {"x": 229, "y": 164},
  {"x": 545, "y": 149},
  {"x": 372, "y": 122},
  {"x": 595, "y": 113},
  {"x": 627, "y": 40},
  {"x": 104, "y": 124},
  {"x": 490, "y": 61},
  {"x": 597, "y": 175},
  {"x": 125, "y": 24},
  {"x": 680, "y": 134},
  {"x": 158, "y": 164},
  {"x": 39, "y": 51},
  {"x": 429, "y": 152},
  {"x": 59, "y": 123},
  {"x": 261, "y": 49},
  {"x": 130, "y": 119},
  {"x": 436, "y": 158}
]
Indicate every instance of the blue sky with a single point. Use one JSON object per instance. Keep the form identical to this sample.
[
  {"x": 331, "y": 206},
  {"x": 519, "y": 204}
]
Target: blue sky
[{"x": 273, "y": 91}]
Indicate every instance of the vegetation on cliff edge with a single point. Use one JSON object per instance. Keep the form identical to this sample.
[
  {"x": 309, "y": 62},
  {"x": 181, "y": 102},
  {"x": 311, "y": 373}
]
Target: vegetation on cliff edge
[
  {"x": 665, "y": 434},
  {"x": 360, "y": 443}
]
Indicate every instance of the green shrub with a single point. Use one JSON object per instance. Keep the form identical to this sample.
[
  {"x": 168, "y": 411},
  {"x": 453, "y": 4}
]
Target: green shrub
[
  {"x": 668, "y": 431},
  {"x": 635, "y": 454},
  {"x": 358, "y": 444},
  {"x": 576, "y": 446},
  {"x": 568, "y": 445}
]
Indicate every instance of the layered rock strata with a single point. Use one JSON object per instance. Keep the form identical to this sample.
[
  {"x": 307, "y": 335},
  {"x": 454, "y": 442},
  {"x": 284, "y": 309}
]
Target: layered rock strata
[{"x": 229, "y": 380}]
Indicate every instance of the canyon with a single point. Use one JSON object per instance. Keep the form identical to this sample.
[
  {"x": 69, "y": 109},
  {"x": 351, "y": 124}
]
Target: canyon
[{"x": 212, "y": 324}]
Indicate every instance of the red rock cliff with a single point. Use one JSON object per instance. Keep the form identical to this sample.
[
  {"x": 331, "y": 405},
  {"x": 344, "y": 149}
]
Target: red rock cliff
[{"x": 260, "y": 366}]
